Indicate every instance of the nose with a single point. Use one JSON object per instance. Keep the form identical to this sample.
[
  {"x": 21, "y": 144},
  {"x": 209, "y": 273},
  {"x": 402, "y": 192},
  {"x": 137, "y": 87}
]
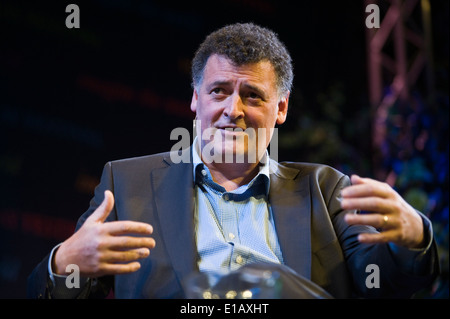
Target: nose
[{"x": 235, "y": 108}]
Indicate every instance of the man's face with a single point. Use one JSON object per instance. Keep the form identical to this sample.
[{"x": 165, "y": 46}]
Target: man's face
[{"x": 232, "y": 97}]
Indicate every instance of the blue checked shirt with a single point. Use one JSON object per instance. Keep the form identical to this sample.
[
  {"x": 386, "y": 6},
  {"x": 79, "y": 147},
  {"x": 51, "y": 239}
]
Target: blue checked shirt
[{"x": 233, "y": 228}]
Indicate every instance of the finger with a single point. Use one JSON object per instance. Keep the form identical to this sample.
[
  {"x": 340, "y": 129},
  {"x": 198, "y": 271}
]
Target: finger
[
  {"x": 114, "y": 269},
  {"x": 356, "y": 179},
  {"x": 125, "y": 227},
  {"x": 125, "y": 256},
  {"x": 365, "y": 190},
  {"x": 373, "y": 204},
  {"x": 102, "y": 211},
  {"x": 363, "y": 187},
  {"x": 376, "y": 220},
  {"x": 126, "y": 242}
]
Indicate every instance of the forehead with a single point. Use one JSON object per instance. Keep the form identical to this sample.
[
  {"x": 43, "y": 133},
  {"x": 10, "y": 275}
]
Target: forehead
[{"x": 221, "y": 68}]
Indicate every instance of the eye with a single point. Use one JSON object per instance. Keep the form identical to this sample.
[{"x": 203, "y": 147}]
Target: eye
[
  {"x": 254, "y": 96},
  {"x": 217, "y": 91}
]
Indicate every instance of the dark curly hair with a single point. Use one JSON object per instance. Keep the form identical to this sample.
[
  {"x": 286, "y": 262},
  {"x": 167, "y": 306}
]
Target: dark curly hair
[{"x": 245, "y": 43}]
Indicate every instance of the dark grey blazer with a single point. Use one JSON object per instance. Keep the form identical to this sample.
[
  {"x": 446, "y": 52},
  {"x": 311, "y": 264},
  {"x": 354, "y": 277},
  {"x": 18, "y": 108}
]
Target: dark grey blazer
[{"x": 305, "y": 199}]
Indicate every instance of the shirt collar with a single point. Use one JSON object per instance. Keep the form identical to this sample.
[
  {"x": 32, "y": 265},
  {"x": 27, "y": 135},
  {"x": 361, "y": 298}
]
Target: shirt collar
[{"x": 264, "y": 167}]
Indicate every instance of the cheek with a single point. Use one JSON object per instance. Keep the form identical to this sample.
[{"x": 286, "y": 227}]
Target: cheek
[
  {"x": 208, "y": 114},
  {"x": 205, "y": 119},
  {"x": 266, "y": 122},
  {"x": 262, "y": 118}
]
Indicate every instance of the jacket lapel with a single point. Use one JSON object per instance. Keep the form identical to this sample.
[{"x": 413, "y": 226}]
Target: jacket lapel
[
  {"x": 174, "y": 196},
  {"x": 291, "y": 207}
]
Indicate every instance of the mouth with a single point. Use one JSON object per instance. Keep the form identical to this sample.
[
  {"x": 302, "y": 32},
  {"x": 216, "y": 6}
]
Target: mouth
[{"x": 231, "y": 127}]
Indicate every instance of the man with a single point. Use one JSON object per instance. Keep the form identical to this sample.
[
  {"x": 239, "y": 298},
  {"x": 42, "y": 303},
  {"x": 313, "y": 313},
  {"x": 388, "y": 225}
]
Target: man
[{"x": 153, "y": 222}]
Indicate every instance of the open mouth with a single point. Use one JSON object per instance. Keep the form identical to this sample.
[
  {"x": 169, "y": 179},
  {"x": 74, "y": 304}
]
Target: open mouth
[
  {"x": 233, "y": 132},
  {"x": 231, "y": 129}
]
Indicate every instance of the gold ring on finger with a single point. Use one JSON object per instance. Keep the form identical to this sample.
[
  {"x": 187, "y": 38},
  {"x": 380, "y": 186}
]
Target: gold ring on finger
[{"x": 385, "y": 219}]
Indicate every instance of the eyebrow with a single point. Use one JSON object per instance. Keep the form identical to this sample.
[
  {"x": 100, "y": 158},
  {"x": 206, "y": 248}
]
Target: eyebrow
[
  {"x": 256, "y": 89},
  {"x": 218, "y": 83},
  {"x": 251, "y": 87}
]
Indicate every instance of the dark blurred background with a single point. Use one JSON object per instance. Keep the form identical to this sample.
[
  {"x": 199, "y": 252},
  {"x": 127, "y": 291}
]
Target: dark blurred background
[{"x": 73, "y": 99}]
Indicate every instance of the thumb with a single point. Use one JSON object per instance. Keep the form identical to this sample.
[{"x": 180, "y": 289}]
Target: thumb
[{"x": 102, "y": 211}]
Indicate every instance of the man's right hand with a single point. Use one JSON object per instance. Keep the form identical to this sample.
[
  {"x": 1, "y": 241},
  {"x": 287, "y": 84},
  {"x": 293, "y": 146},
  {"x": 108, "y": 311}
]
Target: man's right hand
[{"x": 100, "y": 248}]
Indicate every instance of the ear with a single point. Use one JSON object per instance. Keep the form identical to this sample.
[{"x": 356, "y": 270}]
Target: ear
[
  {"x": 283, "y": 108},
  {"x": 194, "y": 101}
]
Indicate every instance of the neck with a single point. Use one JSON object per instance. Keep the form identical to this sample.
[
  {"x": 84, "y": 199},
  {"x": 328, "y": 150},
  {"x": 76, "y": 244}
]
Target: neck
[{"x": 232, "y": 175}]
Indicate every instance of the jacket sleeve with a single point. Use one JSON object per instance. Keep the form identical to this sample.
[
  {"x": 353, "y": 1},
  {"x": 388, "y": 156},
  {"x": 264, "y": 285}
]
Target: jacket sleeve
[
  {"x": 383, "y": 270},
  {"x": 37, "y": 283}
]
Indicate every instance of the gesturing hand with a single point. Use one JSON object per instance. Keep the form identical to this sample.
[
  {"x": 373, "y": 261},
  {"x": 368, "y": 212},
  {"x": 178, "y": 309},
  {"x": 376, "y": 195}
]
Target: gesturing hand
[
  {"x": 100, "y": 248},
  {"x": 399, "y": 222}
]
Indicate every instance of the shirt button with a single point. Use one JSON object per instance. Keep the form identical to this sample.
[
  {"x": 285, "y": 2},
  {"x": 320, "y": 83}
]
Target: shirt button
[
  {"x": 231, "y": 235},
  {"x": 239, "y": 259}
]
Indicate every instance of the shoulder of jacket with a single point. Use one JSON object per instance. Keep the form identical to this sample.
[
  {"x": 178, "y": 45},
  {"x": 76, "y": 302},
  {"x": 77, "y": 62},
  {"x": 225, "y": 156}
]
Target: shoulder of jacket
[
  {"x": 146, "y": 160},
  {"x": 314, "y": 169}
]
